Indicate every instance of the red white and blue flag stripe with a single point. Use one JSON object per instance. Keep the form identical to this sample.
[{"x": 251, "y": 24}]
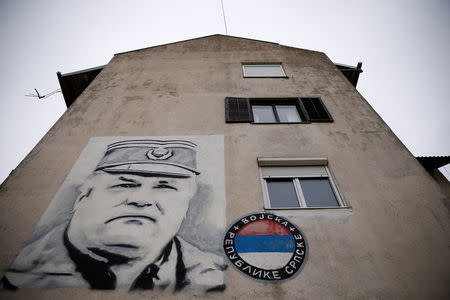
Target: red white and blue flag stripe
[{"x": 265, "y": 244}]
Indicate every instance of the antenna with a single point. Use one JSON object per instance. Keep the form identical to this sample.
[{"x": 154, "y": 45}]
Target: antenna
[
  {"x": 224, "y": 20},
  {"x": 39, "y": 96}
]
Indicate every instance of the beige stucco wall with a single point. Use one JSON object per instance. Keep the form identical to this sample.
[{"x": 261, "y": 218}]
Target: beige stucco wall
[{"x": 393, "y": 243}]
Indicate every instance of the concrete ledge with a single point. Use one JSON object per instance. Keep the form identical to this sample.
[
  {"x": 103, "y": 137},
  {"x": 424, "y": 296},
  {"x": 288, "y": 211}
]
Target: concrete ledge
[
  {"x": 310, "y": 212},
  {"x": 292, "y": 161}
]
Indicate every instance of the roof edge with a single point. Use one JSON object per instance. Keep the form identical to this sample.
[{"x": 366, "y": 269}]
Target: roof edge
[
  {"x": 197, "y": 38},
  {"x": 82, "y": 71},
  {"x": 433, "y": 162}
]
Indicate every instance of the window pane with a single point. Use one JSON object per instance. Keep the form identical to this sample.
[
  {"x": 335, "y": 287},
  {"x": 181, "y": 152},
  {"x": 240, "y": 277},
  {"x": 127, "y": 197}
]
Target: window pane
[
  {"x": 318, "y": 192},
  {"x": 282, "y": 193},
  {"x": 288, "y": 113},
  {"x": 263, "y": 71},
  {"x": 263, "y": 114}
]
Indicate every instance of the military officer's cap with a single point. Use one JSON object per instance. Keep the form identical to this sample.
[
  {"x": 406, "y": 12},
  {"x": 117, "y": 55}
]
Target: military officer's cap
[{"x": 151, "y": 158}]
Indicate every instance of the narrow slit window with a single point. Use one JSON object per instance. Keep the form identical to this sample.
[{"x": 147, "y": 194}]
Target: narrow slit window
[{"x": 263, "y": 70}]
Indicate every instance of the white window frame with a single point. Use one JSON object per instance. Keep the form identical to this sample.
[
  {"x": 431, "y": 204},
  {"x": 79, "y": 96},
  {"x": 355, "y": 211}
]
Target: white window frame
[
  {"x": 300, "y": 163},
  {"x": 279, "y": 65}
]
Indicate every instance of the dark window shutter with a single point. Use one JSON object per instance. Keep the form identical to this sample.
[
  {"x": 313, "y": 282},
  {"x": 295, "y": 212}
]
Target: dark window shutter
[
  {"x": 238, "y": 110},
  {"x": 304, "y": 115},
  {"x": 316, "y": 110}
]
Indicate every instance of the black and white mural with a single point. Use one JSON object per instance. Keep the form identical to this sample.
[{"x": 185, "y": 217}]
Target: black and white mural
[{"x": 134, "y": 213}]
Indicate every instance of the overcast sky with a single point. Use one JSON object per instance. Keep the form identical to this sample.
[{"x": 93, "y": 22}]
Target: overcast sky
[{"x": 404, "y": 47}]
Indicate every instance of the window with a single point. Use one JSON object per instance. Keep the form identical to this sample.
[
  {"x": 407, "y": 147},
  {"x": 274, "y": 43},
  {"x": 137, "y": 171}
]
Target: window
[
  {"x": 263, "y": 70},
  {"x": 276, "y": 110},
  {"x": 298, "y": 183},
  {"x": 266, "y": 111}
]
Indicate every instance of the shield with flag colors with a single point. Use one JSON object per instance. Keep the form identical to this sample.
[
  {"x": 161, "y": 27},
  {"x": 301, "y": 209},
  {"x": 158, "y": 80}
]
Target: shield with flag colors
[{"x": 265, "y": 246}]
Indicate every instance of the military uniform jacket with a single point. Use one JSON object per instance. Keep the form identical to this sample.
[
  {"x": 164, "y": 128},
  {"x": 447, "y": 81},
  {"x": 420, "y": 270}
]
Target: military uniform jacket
[{"x": 49, "y": 263}]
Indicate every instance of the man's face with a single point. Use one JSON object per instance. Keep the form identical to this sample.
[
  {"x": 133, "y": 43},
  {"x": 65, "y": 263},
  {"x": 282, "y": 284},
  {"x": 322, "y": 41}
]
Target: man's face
[{"x": 130, "y": 215}]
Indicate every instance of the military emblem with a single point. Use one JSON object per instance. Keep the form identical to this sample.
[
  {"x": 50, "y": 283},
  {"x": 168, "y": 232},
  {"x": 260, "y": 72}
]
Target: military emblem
[
  {"x": 160, "y": 153},
  {"x": 266, "y": 247}
]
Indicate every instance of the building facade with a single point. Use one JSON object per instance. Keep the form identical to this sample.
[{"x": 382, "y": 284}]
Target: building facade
[{"x": 247, "y": 129}]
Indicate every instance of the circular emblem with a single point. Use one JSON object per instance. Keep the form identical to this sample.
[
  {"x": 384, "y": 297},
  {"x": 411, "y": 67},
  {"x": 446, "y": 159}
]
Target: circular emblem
[
  {"x": 159, "y": 153},
  {"x": 266, "y": 247}
]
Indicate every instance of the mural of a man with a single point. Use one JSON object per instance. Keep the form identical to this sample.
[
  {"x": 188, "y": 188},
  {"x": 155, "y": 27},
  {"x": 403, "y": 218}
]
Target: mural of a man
[{"x": 124, "y": 225}]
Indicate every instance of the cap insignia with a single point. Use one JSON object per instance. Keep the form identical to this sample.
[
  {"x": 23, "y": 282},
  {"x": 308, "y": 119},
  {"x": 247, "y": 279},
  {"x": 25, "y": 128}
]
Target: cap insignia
[{"x": 160, "y": 153}]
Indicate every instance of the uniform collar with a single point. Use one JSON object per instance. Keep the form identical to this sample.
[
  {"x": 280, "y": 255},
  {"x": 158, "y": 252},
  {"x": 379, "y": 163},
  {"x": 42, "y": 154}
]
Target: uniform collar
[{"x": 167, "y": 272}]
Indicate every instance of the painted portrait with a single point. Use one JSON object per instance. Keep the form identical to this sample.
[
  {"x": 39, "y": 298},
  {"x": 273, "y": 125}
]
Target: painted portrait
[{"x": 134, "y": 213}]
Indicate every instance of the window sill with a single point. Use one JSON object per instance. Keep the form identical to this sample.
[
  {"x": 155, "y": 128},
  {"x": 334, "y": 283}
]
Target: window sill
[
  {"x": 267, "y": 123},
  {"x": 282, "y": 77},
  {"x": 339, "y": 212}
]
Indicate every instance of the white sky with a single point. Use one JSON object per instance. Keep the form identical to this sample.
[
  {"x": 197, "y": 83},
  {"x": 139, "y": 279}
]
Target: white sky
[{"x": 404, "y": 46}]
